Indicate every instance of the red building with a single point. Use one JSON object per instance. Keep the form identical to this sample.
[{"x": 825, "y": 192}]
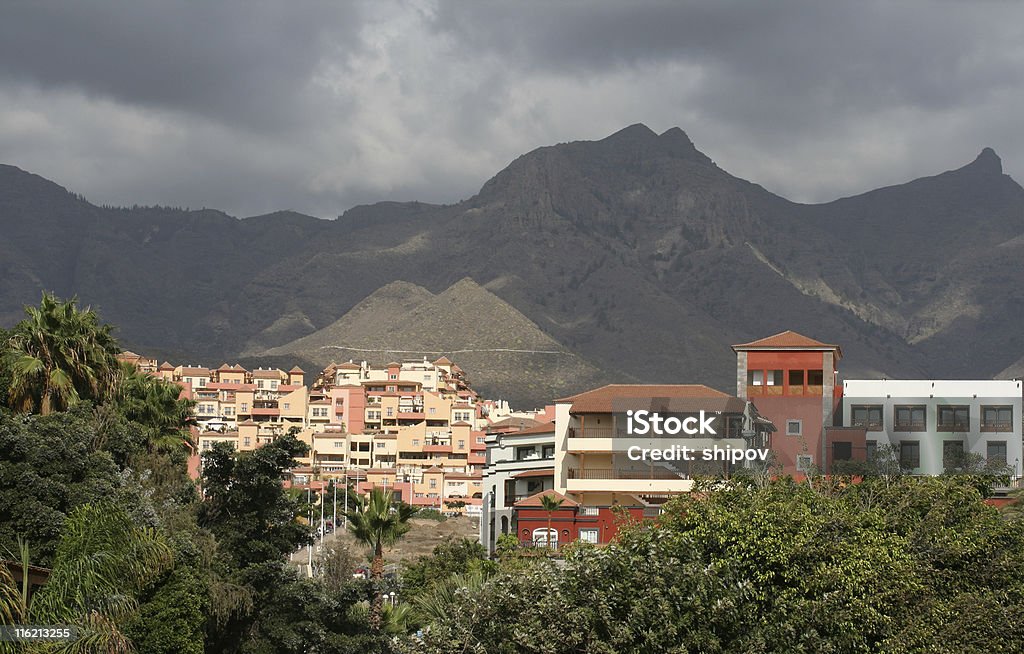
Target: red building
[
  {"x": 792, "y": 379},
  {"x": 570, "y": 522}
]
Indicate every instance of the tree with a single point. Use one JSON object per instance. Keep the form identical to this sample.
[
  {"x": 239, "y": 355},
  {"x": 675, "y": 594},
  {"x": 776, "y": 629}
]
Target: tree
[
  {"x": 907, "y": 564},
  {"x": 158, "y": 406},
  {"x": 47, "y": 468},
  {"x": 103, "y": 562},
  {"x": 59, "y": 355},
  {"x": 550, "y": 504},
  {"x": 378, "y": 522}
]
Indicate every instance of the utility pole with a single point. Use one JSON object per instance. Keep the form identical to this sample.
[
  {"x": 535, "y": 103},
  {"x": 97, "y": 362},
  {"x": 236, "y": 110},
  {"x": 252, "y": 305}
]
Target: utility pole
[{"x": 345, "y": 513}]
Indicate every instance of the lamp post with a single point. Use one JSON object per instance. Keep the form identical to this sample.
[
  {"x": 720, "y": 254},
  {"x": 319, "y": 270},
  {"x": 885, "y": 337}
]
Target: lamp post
[
  {"x": 345, "y": 512},
  {"x": 309, "y": 548}
]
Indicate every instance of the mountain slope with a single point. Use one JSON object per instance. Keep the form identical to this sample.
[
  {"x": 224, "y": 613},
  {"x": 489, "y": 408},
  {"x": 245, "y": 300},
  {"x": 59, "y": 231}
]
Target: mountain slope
[
  {"x": 636, "y": 252},
  {"x": 505, "y": 354}
]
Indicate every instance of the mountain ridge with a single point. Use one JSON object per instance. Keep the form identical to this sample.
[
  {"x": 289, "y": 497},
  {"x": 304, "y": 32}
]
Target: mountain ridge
[{"x": 636, "y": 251}]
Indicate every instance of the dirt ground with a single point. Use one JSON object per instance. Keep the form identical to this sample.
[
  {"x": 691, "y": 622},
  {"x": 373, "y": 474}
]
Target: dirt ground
[{"x": 420, "y": 540}]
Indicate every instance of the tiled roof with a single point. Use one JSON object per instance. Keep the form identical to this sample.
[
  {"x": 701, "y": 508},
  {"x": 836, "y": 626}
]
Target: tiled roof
[
  {"x": 348, "y": 366},
  {"x": 166, "y": 365},
  {"x": 533, "y": 501},
  {"x": 535, "y": 473},
  {"x": 600, "y": 400},
  {"x": 443, "y": 361},
  {"x": 272, "y": 373},
  {"x": 297, "y": 369},
  {"x": 787, "y": 340},
  {"x": 522, "y": 423},
  {"x": 543, "y": 428}
]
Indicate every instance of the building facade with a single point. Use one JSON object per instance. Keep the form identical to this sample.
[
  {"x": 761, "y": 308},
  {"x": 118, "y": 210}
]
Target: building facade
[{"x": 937, "y": 425}]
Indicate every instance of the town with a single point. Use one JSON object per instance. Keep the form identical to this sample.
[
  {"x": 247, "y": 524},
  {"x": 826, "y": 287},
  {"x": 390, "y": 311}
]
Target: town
[{"x": 419, "y": 429}]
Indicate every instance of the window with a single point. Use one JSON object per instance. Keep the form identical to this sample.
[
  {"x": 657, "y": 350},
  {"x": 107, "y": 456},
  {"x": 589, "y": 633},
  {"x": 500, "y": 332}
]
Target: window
[
  {"x": 433, "y": 410},
  {"x": 804, "y": 462},
  {"x": 339, "y": 444},
  {"x": 390, "y": 411},
  {"x": 996, "y": 452},
  {"x": 245, "y": 407},
  {"x": 433, "y": 483},
  {"x": 774, "y": 378},
  {"x": 392, "y": 376},
  {"x": 391, "y": 389},
  {"x": 207, "y": 445},
  {"x": 954, "y": 418},
  {"x": 588, "y": 536},
  {"x": 868, "y": 416},
  {"x": 910, "y": 454},
  {"x": 952, "y": 454},
  {"x": 755, "y": 378},
  {"x": 815, "y": 378},
  {"x": 997, "y": 418},
  {"x": 794, "y": 427},
  {"x": 549, "y": 452},
  {"x": 545, "y": 537},
  {"x": 871, "y": 450},
  {"x": 796, "y": 377},
  {"x": 247, "y": 442},
  {"x": 842, "y": 451},
  {"x": 287, "y": 406},
  {"x": 523, "y": 453},
  {"x": 910, "y": 418},
  {"x": 480, "y": 439},
  {"x": 259, "y": 383},
  {"x": 273, "y": 383},
  {"x": 415, "y": 442},
  {"x": 462, "y": 445}
]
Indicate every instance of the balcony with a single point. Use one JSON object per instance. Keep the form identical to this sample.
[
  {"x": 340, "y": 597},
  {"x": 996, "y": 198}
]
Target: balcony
[
  {"x": 591, "y": 432},
  {"x": 610, "y": 473},
  {"x": 997, "y": 426}
]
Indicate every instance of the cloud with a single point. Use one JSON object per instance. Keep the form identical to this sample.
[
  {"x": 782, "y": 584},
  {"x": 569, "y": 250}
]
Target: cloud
[{"x": 316, "y": 106}]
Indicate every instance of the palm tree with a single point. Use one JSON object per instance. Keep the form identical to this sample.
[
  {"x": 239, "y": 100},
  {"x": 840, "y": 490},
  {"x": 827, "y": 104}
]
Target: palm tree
[
  {"x": 550, "y": 504},
  {"x": 375, "y": 523},
  {"x": 103, "y": 562},
  {"x": 59, "y": 355},
  {"x": 158, "y": 405}
]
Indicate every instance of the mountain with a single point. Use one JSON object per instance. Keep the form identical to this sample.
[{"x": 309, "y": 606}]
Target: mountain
[
  {"x": 636, "y": 253},
  {"x": 501, "y": 349}
]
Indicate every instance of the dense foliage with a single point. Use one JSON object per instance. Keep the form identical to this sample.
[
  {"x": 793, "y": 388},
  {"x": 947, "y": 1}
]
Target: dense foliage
[
  {"x": 911, "y": 565},
  {"x": 93, "y": 485}
]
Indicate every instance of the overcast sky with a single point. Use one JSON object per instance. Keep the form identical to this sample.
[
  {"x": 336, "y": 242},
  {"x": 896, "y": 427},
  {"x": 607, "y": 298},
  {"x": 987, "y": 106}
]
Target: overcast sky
[{"x": 252, "y": 106}]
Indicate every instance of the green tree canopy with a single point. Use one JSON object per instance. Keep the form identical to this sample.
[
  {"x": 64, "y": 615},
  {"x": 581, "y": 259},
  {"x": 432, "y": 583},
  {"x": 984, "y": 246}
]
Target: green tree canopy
[{"x": 59, "y": 354}]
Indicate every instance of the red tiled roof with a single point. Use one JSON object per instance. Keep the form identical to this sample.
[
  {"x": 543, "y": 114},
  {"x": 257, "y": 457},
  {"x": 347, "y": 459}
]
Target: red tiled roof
[
  {"x": 223, "y": 367},
  {"x": 787, "y": 340},
  {"x": 273, "y": 373},
  {"x": 166, "y": 365},
  {"x": 348, "y": 366},
  {"x": 297, "y": 369},
  {"x": 600, "y": 400},
  {"x": 543, "y": 428},
  {"x": 535, "y": 473},
  {"x": 443, "y": 361},
  {"x": 534, "y": 500}
]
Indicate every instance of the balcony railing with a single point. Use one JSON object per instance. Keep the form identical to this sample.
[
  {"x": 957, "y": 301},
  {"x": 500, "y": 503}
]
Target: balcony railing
[
  {"x": 591, "y": 432},
  {"x": 997, "y": 426},
  {"x": 610, "y": 473}
]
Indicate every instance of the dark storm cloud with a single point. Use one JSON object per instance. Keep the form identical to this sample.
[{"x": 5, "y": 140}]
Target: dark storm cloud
[
  {"x": 256, "y": 106},
  {"x": 234, "y": 61}
]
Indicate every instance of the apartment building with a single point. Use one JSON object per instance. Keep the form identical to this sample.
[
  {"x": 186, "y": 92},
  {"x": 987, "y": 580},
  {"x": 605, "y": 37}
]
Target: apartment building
[
  {"x": 413, "y": 426},
  {"x": 520, "y": 464},
  {"x": 594, "y": 452},
  {"x": 792, "y": 379},
  {"x": 934, "y": 425}
]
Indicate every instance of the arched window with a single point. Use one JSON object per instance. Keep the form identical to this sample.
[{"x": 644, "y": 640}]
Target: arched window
[
  {"x": 545, "y": 537},
  {"x": 504, "y": 524}
]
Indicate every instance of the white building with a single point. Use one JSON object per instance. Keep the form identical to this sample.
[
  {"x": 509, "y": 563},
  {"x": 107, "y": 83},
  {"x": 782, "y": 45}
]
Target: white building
[
  {"x": 932, "y": 421},
  {"x": 519, "y": 464}
]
